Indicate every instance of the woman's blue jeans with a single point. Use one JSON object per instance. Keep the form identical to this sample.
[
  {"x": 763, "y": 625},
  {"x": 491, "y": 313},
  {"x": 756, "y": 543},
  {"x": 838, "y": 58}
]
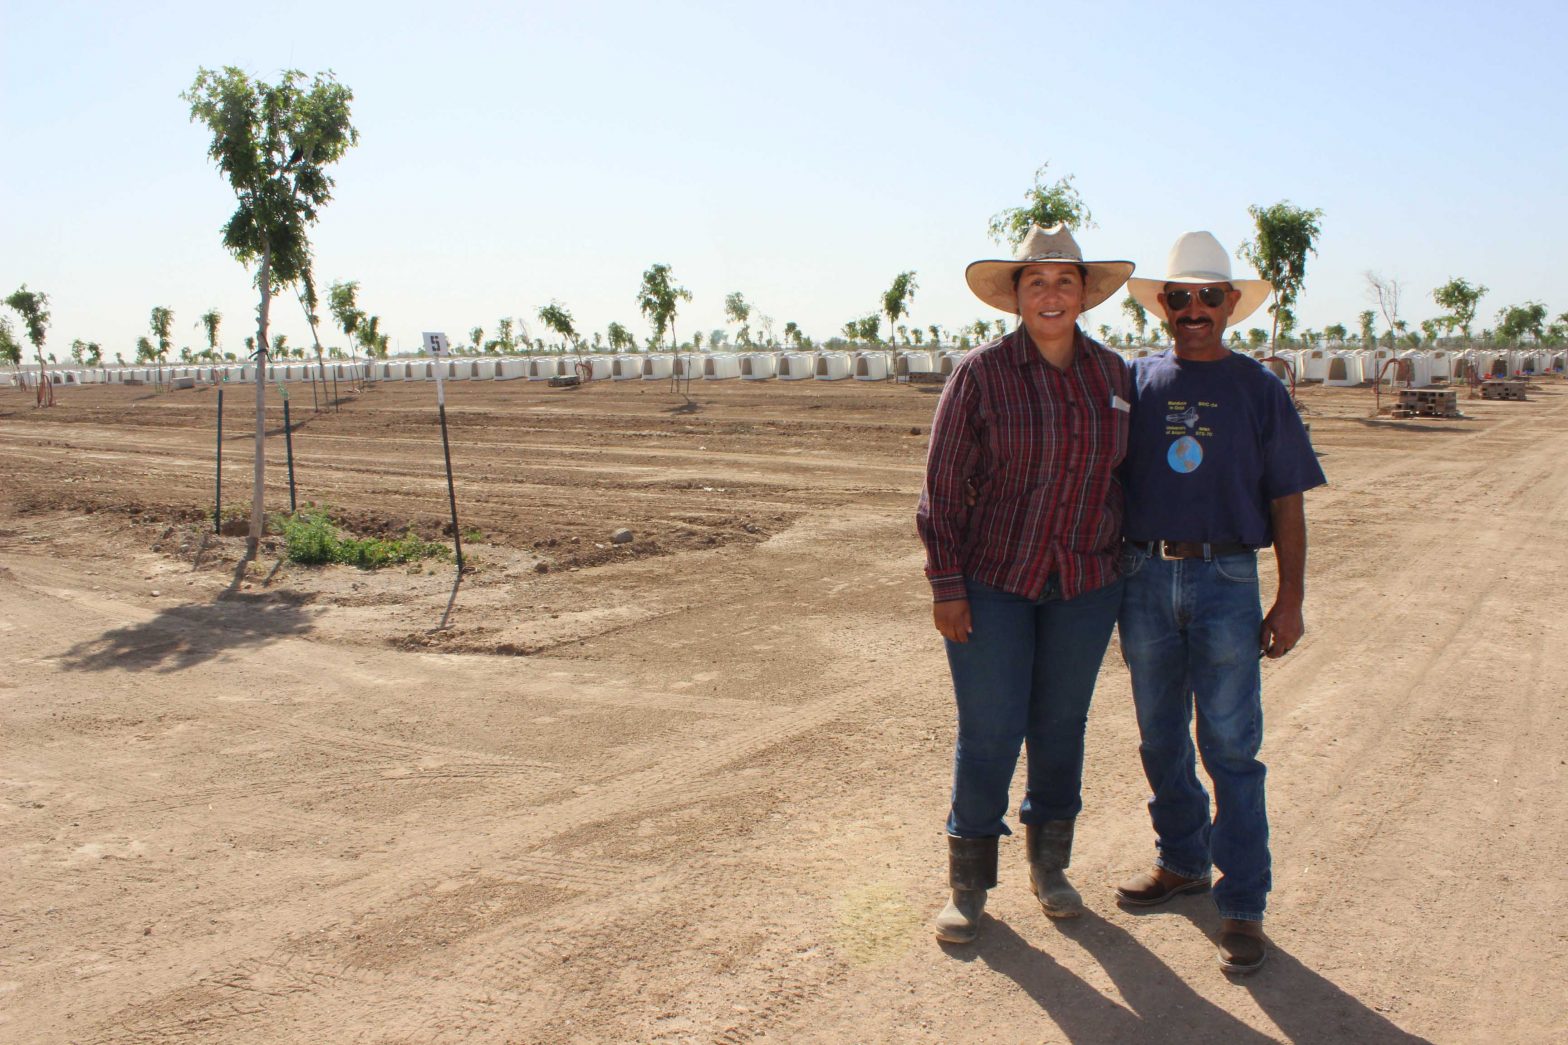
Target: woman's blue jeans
[
  {"x": 1190, "y": 631},
  {"x": 1025, "y": 677}
]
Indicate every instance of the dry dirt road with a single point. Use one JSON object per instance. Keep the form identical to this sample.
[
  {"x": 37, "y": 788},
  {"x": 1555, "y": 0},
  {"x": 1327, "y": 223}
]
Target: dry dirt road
[{"x": 692, "y": 788}]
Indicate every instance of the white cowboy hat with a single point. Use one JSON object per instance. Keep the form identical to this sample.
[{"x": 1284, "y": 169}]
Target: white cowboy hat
[
  {"x": 1198, "y": 258},
  {"x": 992, "y": 281}
]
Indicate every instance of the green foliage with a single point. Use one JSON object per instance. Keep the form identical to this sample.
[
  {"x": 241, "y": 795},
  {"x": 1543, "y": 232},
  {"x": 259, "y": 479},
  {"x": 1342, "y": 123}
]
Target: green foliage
[
  {"x": 867, "y": 328},
  {"x": 1044, "y": 205},
  {"x": 1460, "y": 299},
  {"x": 311, "y": 539},
  {"x": 620, "y": 338},
  {"x": 1368, "y": 336},
  {"x": 33, "y": 307},
  {"x": 1335, "y": 332},
  {"x": 738, "y": 310},
  {"x": 273, "y": 143},
  {"x": 556, "y": 316},
  {"x": 10, "y": 348},
  {"x": 1257, "y": 337},
  {"x": 895, "y": 301},
  {"x": 1137, "y": 313},
  {"x": 209, "y": 323},
  {"x": 1286, "y": 234},
  {"x": 1515, "y": 321},
  {"x": 159, "y": 323},
  {"x": 146, "y": 351},
  {"x": 345, "y": 310},
  {"x": 659, "y": 298}
]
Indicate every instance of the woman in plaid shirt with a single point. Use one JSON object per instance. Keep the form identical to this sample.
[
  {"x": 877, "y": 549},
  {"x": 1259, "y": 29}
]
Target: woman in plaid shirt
[{"x": 1021, "y": 519}]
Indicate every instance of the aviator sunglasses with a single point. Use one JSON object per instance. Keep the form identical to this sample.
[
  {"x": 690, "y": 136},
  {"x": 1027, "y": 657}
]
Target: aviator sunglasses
[{"x": 1212, "y": 297}]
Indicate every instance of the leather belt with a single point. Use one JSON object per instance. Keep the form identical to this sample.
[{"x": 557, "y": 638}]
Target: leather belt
[{"x": 1191, "y": 549}]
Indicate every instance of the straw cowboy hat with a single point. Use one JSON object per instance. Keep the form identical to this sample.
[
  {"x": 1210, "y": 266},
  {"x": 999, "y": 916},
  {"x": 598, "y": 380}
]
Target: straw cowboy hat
[
  {"x": 1198, "y": 258},
  {"x": 992, "y": 281}
]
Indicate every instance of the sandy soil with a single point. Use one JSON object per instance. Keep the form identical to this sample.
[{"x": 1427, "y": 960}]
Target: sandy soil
[{"x": 692, "y": 789}]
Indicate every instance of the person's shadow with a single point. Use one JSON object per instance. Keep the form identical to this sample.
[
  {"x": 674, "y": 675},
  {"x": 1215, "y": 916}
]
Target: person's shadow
[
  {"x": 1307, "y": 1007},
  {"x": 1160, "y": 1007}
]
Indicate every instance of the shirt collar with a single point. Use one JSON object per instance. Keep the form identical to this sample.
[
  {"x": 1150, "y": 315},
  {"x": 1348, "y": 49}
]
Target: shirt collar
[{"x": 1022, "y": 351}]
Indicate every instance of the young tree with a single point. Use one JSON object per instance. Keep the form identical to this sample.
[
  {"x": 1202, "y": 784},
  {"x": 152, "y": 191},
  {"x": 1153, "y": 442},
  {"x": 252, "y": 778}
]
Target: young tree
[
  {"x": 273, "y": 142},
  {"x": 208, "y": 323},
  {"x": 936, "y": 335},
  {"x": 1515, "y": 321},
  {"x": 659, "y": 298},
  {"x": 505, "y": 339},
  {"x": 476, "y": 337},
  {"x": 10, "y": 347},
  {"x": 1257, "y": 337},
  {"x": 1335, "y": 332},
  {"x": 792, "y": 334},
  {"x": 895, "y": 301},
  {"x": 1386, "y": 293},
  {"x": 556, "y": 316},
  {"x": 159, "y": 322},
  {"x": 620, "y": 338},
  {"x": 33, "y": 307},
  {"x": 1137, "y": 313},
  {"x": 1044, "y": 205},
  {"x": 736, "y": 310},
  {"x": 1286, "y": 234},
  {"x": 869, "y": 328},
  {"x": 1459, "y": 298},
  {"x": 1368, "y": 335},
  {"x": 371, "y": 339},
  {"x": 919, "y": 336},
  {"x": 146, "y": 351}
]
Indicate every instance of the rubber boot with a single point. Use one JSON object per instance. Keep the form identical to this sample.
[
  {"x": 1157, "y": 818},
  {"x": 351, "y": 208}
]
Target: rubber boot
[
  {"x": 971, "y": 870},
  {"x": 1050, "y": 851}
]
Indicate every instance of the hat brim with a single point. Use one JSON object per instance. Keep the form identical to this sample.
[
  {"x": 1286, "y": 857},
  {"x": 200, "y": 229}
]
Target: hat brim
[
  {"x": 992, "y": 281},
  {"x": 1254, "y": 292}
]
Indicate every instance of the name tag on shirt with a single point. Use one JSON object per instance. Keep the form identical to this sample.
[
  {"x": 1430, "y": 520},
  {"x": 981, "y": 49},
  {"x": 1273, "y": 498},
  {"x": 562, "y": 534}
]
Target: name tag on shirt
[{"x": 1118, "y": 403}]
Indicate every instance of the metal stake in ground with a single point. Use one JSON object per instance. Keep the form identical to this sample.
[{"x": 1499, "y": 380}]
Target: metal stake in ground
[
  {"x": 288, "y": 443},
  {"x": 436, "y": 345},
  {"x": 217, "y": 485}
]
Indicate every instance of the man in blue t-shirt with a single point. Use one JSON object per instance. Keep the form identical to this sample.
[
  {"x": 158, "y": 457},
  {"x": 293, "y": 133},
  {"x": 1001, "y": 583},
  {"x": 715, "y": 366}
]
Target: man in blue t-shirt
[{"x": 1217, "y": 462}]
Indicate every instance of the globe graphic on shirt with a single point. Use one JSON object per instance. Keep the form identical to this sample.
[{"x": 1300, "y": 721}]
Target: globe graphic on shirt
[{"x": 1185, "y": 455}]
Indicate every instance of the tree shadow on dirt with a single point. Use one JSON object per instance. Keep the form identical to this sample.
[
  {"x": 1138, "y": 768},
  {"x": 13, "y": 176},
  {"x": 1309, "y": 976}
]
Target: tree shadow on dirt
[{"x": 182, "y": 637}]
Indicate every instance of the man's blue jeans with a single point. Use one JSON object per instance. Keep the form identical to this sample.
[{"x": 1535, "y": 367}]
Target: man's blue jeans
[
  {"x": 1025, "y": 676},
  {"x": 1189, "y": 632}
]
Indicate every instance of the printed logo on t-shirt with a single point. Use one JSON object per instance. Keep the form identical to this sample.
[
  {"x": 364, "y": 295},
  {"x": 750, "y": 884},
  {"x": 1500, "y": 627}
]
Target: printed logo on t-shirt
[{"x": 1181, "y": 420}]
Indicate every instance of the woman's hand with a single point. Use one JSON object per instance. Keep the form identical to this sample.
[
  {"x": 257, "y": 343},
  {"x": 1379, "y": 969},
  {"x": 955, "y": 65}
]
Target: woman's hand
[{"x": 952, "y": 619}]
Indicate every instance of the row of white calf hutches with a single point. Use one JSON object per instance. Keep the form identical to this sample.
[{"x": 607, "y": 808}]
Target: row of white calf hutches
[
  {"x": 626, "y": 368},
  {"x": 720, "y": 366}
]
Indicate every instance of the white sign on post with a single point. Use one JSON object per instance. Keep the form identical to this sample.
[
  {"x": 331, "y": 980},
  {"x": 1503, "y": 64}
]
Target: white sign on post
[{"x": 435, "y": 344}]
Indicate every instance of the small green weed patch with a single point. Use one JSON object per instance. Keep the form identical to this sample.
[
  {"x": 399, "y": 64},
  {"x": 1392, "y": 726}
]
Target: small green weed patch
[{"x": 311, "y": 539}]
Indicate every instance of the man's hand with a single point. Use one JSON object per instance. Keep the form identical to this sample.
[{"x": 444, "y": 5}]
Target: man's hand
[
  {"x": 1282, "y": 629},
  {"x": 952, "y": 619}
]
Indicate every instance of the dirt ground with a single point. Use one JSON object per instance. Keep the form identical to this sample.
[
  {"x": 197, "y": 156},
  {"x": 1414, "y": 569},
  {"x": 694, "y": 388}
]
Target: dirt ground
[{"x": 692, "y": 788}]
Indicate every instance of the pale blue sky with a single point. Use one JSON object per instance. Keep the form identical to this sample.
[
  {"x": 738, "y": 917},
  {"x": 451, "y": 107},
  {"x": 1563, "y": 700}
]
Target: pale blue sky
[{"x": 800, "y": 153}]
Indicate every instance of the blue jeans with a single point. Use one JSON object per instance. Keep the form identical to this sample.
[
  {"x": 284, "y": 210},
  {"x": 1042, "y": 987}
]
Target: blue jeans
[
  {"x": 1189, "y": 632},
  {"x": 1025, "y": 677}
]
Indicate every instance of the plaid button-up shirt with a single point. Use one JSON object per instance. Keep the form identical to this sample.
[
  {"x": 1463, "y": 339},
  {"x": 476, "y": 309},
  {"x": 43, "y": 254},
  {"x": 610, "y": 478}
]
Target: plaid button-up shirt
[{"x": 1041, "y": 447}]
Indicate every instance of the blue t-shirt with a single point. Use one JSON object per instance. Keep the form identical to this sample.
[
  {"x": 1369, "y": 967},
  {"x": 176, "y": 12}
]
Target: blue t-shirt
[{"x": 1211, "y": 444}]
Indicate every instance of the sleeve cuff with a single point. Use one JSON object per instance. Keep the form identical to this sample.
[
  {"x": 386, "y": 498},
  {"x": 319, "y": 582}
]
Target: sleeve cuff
[{"x": 948, "y": 587}]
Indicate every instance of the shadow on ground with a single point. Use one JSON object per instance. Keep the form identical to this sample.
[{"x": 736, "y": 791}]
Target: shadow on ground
[
  {"x": 1158, "y": 1005},
  {"x": 182, "y": 637}
]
